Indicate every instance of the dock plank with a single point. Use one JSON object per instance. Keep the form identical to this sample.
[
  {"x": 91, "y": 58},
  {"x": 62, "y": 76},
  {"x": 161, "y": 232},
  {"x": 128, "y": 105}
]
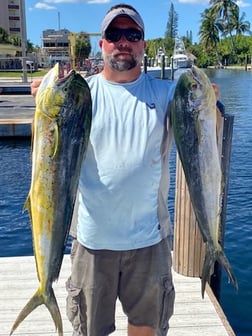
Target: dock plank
[{"x": 193, "y": 315}]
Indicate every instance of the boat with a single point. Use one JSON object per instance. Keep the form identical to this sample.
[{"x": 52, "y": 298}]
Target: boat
[
  {"x": 158, "y": 67},
  {"x": 180, "y": 58}
]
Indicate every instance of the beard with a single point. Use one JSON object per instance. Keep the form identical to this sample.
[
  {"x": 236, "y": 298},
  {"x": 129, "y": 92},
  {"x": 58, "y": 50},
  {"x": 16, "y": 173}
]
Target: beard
[{"x": 119, "y": 63}]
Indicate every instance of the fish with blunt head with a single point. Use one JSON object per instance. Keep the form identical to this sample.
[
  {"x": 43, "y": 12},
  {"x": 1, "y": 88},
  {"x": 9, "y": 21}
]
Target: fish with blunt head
[
  {"x": 193, "y": 115},
  {"x": 61, "y": 129}
]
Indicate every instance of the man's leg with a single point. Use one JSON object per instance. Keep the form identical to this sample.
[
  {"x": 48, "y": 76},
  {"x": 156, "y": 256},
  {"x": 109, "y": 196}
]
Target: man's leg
[
  {"x": 92, "y": 291},
  {"x": 146, "y": 289},
  {"x": 140, "y": 331}
]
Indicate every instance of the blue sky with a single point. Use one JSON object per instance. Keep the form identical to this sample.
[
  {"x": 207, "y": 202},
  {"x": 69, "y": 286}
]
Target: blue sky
[{"x": 86, "y": 15}]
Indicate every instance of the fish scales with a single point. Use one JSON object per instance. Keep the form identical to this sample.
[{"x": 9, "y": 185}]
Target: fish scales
[
  {"x": 61, "y": 129},
  {"x": 193, "y": 115}
]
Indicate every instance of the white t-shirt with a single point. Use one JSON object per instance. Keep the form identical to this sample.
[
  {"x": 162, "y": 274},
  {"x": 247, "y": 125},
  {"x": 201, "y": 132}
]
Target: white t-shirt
[{"x": 124, "y": 180}]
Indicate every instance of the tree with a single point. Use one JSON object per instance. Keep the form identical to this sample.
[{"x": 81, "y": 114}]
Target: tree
[
  {"x": 172, "y": 23},
  {"x": 4, "y": 37},
  {"x": 82, "y": 47},
  {"x": 223, "y": 8},
  {"x": 15, "y": 40},
  {"x": 209, "y": 32},
  {"x": 239, "y": 24},
  {"x": 224, "y": 12},
  {"x": 30, "y": 46},
  {"x": 189, "y": 36}
]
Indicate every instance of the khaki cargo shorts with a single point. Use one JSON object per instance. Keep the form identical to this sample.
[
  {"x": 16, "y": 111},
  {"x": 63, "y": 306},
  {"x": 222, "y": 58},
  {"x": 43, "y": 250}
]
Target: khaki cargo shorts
[{"x": 141, "y": 279}]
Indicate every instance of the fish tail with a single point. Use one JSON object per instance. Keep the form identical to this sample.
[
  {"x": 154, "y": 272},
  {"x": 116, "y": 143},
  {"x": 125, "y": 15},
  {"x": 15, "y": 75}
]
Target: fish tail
[
  {"x": 222, "y": 259},
  {"x": 38, "y": 299},
  {"x": 213, "y": 255}
]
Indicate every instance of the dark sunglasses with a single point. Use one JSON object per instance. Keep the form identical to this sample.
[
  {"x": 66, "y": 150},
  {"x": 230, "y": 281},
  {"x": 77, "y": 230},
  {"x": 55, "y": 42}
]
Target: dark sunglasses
[{"x": 115, "y": 34}]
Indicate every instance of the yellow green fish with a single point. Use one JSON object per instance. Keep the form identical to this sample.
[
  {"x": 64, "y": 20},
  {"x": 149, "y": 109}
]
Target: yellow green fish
[
  {"x": 193, "y": 116},
  {"x": 61, "y": 129}
]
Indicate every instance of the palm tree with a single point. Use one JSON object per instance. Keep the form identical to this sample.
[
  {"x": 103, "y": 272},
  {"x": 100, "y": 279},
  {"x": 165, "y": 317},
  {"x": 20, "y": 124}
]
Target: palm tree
[
  {"x": 224, "y": 8},
  {"x": 224, "y": 12},
  {"x": 240, "y": 25},
  {"x": 209, "y": 32}
]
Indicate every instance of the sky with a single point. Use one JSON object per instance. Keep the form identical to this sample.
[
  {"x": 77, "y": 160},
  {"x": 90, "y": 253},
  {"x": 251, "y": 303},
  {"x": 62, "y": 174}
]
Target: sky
[{"x": 86, "y": 15}]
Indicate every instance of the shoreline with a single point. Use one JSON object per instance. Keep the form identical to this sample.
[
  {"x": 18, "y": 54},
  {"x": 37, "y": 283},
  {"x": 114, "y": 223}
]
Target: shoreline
[{"x": 232, "y": 67}]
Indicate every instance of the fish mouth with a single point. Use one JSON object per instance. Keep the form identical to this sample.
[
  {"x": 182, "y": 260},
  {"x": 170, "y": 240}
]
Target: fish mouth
[{"x": 62, "y": 80}]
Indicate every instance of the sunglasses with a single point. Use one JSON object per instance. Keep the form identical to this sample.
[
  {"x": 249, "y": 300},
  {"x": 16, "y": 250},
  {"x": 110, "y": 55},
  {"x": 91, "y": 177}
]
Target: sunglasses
[{"x": 115, "y": 34}]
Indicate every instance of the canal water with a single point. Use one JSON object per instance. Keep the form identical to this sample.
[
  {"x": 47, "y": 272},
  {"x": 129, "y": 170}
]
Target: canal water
[{"x": 236, "y": 88}]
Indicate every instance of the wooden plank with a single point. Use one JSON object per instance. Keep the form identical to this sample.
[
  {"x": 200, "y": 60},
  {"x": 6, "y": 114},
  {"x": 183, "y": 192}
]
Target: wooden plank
[
  {"x": 193, "y": 316},
  {"x": 189, "y": 248}
]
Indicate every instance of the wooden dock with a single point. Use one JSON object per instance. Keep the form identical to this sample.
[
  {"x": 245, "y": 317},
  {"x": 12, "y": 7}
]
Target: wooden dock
[
  {"x": 193, "y": 315},
  {"x": 16, "y": 114}
]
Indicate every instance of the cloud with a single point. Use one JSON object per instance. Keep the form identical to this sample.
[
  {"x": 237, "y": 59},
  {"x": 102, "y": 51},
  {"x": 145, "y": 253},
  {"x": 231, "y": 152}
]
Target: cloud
[
  {"x": 62, "y": 1},
  {"x": 41, "y": 5},
  {"x": 241, "y": 4},
  {"x": 49, "y": 4},
  {"x": 77, "y": 1},
  {"x": 200, "y": 2},
  {"x": 98, "y": 1}
]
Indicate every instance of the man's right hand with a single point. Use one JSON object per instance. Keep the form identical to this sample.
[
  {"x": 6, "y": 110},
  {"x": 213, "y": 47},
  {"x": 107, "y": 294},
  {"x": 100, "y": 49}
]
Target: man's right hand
[{"x": 34, "y": 87}]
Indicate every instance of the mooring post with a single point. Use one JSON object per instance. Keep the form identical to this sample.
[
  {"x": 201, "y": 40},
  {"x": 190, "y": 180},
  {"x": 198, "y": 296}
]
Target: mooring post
[
  {"x": 162, "y": 67},
  {"x": 145, "y": 63}
]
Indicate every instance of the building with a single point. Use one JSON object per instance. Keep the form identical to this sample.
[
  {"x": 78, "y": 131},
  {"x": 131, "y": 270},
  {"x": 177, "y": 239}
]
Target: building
[
  {"x": 12, "y": 20},
  {"x": 56, "y": 45},
  {"x": 11, "y": 17}
]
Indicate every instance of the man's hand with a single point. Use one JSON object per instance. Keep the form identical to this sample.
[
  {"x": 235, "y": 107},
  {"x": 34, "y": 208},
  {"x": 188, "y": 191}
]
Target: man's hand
[{"x": 34, "y": 86}]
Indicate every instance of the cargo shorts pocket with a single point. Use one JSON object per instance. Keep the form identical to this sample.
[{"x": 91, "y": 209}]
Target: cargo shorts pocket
[
  {"x": 75, "y": 307},
  {"x": 167, "y": 304}
]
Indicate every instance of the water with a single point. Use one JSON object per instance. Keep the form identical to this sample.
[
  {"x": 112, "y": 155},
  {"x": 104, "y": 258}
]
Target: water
[
  {"x": 15, "y": 172},
  {"x": 15, "y": 177},
  {"x": 236, "y": 88}
]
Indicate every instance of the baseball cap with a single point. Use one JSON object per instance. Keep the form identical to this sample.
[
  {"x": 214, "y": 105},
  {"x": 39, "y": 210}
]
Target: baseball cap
[{"x": 121, "y": 11}]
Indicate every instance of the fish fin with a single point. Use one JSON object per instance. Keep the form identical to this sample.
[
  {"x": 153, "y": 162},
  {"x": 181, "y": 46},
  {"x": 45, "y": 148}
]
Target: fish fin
[
  {"x": 52, "y": 306},
  {"x": 222, "y": 259},
  {"x": 213, "y": 255},
  {"x": 209, "y": 261},
  {"x": 32, "y": 135},
  {"x": 38, "y": 299},
  {"x": 27, "y": 204},
  {"x": 56, "y": 143}
]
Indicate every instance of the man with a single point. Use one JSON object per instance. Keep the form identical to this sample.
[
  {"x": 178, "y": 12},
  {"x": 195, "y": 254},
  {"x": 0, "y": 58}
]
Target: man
[{"x": 122, "y": 248}]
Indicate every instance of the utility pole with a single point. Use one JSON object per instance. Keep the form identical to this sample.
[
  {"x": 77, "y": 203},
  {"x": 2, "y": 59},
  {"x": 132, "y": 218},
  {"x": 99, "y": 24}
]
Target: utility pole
[
  {"x": 23, "y": 38},
  {"x": 58, "y": 20}
]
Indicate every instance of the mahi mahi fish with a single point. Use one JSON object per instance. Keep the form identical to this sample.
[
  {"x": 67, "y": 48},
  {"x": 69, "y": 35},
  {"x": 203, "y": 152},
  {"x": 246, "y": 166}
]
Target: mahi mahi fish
[
  {"x": 61, "y": 129},
  {"x": 193, "y": 116}
]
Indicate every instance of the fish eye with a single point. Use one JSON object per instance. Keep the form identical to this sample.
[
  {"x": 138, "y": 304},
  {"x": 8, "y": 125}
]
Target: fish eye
[{"x": 194, "y": 86}]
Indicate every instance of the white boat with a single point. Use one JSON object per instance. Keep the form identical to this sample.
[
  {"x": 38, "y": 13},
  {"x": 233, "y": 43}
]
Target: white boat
[
  {"x": 159, "y": 63},
  {"x": 179, "y": 58}
]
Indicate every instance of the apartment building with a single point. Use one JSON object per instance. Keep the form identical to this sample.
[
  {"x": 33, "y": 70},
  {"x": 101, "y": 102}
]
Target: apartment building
[
  {"x": 11, "y": 16},
  {"x": 56, "y": 45}
]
